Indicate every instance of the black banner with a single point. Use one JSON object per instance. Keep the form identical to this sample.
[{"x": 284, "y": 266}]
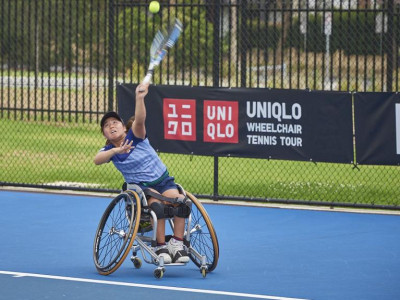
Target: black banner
[
  {"x": 262, "y": 123},
  {"x": 377, "y": 125}
]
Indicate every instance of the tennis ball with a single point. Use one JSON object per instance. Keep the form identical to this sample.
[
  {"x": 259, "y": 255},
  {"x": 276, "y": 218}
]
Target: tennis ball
[{"x": 154, "y": 7}]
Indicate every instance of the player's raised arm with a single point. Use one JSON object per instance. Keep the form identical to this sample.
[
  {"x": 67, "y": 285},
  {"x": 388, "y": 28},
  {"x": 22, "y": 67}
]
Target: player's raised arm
[{"x": 138, "y": 125}]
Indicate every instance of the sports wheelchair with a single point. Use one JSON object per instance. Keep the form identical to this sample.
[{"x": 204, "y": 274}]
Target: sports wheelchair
[{"x": 128, "y": 223}]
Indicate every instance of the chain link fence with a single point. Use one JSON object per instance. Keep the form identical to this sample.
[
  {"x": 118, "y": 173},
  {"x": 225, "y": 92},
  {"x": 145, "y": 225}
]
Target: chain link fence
[{"x": 61, "y": 60}]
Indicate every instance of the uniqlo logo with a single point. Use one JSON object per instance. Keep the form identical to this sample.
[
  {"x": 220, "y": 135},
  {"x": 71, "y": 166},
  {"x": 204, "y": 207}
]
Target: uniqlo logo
[
  {"x": 221, "y": 121},
  {"x": 179, "y": 119}
]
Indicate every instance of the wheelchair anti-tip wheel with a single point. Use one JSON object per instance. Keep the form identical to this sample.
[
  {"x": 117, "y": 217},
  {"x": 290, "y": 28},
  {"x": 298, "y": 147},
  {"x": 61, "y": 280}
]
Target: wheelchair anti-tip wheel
[
  {"x": 203, "y": 238},
  {"x": 116, "y": 232}
]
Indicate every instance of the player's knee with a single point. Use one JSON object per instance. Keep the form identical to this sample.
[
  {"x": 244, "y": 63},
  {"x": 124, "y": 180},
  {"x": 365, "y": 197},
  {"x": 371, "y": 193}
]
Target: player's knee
[
  {"x": 183, "y": 211},
  {"x": 168, "y": 211},
  {"x": 158, "y": 209}
]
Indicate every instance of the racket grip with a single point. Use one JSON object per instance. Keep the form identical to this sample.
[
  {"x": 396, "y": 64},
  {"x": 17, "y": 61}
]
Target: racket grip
[{"x": 148, "y": 77}]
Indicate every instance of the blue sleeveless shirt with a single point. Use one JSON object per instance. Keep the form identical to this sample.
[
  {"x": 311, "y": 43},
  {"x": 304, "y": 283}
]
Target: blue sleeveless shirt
[{"x": 141, "y": 164}]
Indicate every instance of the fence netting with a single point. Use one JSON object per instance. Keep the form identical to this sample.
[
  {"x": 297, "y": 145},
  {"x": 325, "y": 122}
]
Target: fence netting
[{"x": 62, "y": 59}]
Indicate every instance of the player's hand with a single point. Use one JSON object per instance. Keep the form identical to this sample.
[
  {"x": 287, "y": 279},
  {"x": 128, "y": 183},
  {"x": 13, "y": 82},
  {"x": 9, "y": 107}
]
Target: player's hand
[
  {"x": 125, "y": 147},
  {"x": 142, "y": 89}
]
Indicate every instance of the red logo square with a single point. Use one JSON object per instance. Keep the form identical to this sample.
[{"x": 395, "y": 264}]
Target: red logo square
[
  {"x": 179, "y": 119},
  {"x": 221, "y": 121}
]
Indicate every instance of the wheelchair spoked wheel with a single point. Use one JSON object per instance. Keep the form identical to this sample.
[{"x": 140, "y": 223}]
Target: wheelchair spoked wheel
[
  {"x": 203, "y": 237},
  {"x": 116, "y": 232}
]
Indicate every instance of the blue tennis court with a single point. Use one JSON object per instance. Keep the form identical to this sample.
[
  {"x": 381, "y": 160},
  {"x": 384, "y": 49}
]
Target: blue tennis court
[{"x": 265, "y": 253}]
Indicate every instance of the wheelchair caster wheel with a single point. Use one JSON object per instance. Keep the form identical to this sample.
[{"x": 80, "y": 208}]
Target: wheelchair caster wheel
[
  {"x": 158, "y": 273},
  {"x": 203, "y": 272},
  {"x": 136, "y": 262}
]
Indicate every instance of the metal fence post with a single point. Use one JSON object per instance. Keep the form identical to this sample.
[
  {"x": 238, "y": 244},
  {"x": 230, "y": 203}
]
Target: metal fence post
[
  {"x": 243, "y": 43},
  {"x": 216, "y": 60},
  {"x": 215, "y": 192},
  {"x": 111, "y": 12},
  {"x": 389, "y": 41}
]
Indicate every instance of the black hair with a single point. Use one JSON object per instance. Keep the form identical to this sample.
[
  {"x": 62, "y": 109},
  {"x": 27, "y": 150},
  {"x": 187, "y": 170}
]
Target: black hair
[{"x": 129, "y": 123}]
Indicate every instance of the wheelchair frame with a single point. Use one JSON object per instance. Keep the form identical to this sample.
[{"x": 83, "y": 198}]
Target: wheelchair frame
[{"x": 125, "y": 225}]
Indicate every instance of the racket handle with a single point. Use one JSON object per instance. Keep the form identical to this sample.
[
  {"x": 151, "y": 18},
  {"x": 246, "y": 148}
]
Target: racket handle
[{"x": 148, "y": 77}]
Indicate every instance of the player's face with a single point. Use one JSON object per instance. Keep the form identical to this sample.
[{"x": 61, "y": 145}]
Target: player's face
[{"x": 113, "y": 129}]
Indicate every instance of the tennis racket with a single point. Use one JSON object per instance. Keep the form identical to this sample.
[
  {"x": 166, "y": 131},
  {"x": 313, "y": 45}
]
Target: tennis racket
[{"x": 163, "y": 40}]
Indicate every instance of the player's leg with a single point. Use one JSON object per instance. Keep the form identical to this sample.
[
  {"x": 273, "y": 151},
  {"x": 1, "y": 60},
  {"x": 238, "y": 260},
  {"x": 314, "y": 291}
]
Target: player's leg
[
  {"x": 161, "y": 249},
  {"x": 179, "y": 227},
  {"x": 175, "y": 244}
]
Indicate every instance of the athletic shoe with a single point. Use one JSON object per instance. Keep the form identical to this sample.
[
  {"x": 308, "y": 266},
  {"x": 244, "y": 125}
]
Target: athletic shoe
[
  {"x": 177, "y": 251},
  {"x": 162, "y": 251}
]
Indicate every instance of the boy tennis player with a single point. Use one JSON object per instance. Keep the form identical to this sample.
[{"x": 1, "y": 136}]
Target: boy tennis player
[{"x": 131, "y": 153}]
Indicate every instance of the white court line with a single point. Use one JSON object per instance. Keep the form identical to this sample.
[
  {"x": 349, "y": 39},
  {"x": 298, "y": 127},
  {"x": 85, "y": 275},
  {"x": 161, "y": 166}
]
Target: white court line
[{"x": 148, "y": 286}]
